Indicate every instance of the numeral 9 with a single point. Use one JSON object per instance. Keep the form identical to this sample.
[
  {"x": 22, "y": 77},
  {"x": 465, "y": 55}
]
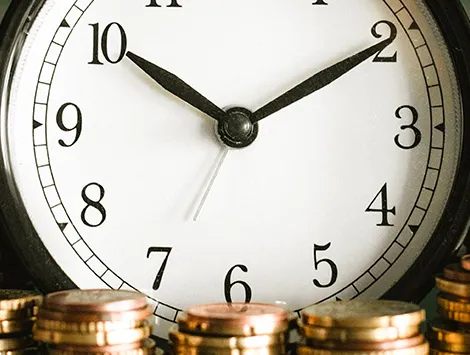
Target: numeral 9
[{"x": 78, "y": 123}]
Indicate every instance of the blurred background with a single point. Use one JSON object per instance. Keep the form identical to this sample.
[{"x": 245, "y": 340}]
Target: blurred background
[{"x": 429, "y": 301}]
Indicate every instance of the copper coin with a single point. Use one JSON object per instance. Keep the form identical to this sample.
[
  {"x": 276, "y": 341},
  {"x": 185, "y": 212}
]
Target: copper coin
[
  {"x": 348, "y": 335},
  {"x": 80, "y": 317},
  {"x": 254, "y": 315},
  {"x": 13, "y": 343},
  {"x": 456, "y": 288},
  {"x": 456, "y": 272},
  {"x": 197, "y": 350},
  {"x": 453, "y": 303},
  {"x": 94, "y": 301},
  {"x": 92, "y": 339},
  {"x": 19, "y": 314},
  {"x": 465, "y": 262},
  {"x": 252, "y": 342},
  {"x": 140, "y": 347},
  {"x": 88, "y": 327},
  {"x": 421, "y": 349},
  {"x": 368, "y": 346},
  {"x": 12, "y": 300},
  {"x": 363, "y": 314}
]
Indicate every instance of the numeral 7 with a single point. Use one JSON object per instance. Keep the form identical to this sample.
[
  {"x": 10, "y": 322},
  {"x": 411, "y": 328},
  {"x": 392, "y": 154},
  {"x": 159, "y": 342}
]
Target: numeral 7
[{"x": 158, "y": 279}]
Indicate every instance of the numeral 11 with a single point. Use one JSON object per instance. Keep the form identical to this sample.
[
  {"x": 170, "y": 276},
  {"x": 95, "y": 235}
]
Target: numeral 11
[{"x": 153, "y": 3}]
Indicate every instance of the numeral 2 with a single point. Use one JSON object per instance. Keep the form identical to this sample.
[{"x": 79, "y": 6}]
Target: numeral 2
[
  {"x": 393, "y": 34},
  {"x": 384, "y": 210},
  {"x": 153, "y": 3},
  {"x": 103, "y": 40},
  {"x": 158, "y": 279}
]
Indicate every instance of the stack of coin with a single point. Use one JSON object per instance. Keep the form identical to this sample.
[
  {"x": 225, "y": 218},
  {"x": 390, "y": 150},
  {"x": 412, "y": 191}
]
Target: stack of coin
[
  {"x": 18, "y": 310},
  {"x": 361, "y": 328},
  {"x": 95, "y": 322},
  {"x": 233, "y": 328},
  {"x": 450, "y": 333}
]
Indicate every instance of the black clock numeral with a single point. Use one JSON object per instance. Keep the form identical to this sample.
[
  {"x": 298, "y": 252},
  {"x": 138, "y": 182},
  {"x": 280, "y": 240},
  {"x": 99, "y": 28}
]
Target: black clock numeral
[
  {"x": 94, "y": 204},
  {"x": 411, "y": 126},
  {"x": 153, "y": 3},
  {"x": 158, "y": 279},
  {"x": 102, "y": 42},
  {"x": 317, "y": 262},
  {"x": 379, "y": 58},
  {"x": 77, "y": 126},
  {"x": 228, "y": 284},
  {"x": 320, "y": 2},
  {"x": 384, "y": 210}
]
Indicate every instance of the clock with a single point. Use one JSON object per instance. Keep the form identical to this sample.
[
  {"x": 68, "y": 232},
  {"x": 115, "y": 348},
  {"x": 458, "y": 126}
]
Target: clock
[{"x": 198, "y": 151}]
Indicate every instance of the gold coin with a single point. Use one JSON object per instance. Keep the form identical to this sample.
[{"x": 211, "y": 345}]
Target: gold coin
[
  {"x": 16, "y": 326},
  {"x": 367, "y": 346},
  {"x": 449, "y": 347},
  {"x": 28, "y": 351},
  {"x": 457, "y": 288},
  {"x": 196, "y": 350},
  {"x": 95, "y": 301},
  {"x": 88, "y": 327},
  {"x": 11, "y": 300},
  {"x": 422, "y": 349},
  {"x": 145, "y": 347},
  {"x": 241, "y": 319},
  {"x": 439, "y": 352},
  {"x": 99, "y": 338},
  {"x": 363, "y": 314},
  {"x": 455, "y": 316},
  {"x": 465, "y": 262},
  {"x": 455, "y": 272},
  {"x": 19, "y": 314},
  {"x": 453, "y": 303},
  {"x": 79, "y": 317},
  {"x": 357, "y": 334},
  {"x": 441, "y": 331},
  {"x": 258, "y": 341},
  {"x": 216, "y": 328},
  {"x": 15, "y": 343}
]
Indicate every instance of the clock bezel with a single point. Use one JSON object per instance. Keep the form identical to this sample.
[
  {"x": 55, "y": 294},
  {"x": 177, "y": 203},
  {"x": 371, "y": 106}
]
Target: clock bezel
[{"x": 449, "y": 234}]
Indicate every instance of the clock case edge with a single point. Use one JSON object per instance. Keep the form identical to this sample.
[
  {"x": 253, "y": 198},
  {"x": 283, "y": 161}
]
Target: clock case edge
[{"x": 17, "y": 230}]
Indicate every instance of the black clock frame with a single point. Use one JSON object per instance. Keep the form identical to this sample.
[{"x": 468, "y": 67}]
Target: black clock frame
[{"x": 16, "y": 228}]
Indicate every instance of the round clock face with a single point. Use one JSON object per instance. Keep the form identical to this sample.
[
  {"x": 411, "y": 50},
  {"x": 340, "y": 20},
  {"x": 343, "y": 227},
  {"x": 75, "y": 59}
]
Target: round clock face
[{"x": 155, "y": 145}]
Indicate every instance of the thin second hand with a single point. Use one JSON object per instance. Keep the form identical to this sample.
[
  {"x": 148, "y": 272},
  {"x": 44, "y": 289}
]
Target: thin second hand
[{"x": 211, "y": 183}]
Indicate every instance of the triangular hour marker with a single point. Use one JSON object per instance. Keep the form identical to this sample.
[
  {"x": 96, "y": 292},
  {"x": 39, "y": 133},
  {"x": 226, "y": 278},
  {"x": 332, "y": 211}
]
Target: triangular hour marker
[
  {"x": 62, "y": 226},
  {"x": 413, "y": 26},
  {"x": 441, "y": 127},
  {"x": 413, "y": 229},
  {"x": 338, "y": 299},
  {"x": 36, "y": 124},
  {"x": 64, "y": 23}
]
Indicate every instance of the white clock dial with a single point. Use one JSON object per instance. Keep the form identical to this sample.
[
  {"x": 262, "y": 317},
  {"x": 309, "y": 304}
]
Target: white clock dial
[{"x": 129, "y": 187}]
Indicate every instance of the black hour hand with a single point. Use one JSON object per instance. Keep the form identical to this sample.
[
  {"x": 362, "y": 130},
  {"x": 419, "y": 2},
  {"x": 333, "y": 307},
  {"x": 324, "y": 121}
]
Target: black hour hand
[{"x": 177, "y": 87}]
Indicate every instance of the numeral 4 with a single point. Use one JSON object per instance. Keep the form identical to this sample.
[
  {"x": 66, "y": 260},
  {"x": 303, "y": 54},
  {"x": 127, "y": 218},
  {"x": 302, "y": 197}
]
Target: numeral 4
[{"x": 384, "y": 210}]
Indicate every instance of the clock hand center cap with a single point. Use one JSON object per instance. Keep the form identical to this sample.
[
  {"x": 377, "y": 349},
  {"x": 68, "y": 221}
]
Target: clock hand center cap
[{"x": 236, "y": 129}]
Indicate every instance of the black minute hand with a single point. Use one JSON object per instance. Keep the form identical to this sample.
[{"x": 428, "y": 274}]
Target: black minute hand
[
  {"x": 177, "y": 87},
  {"x": 317, "y": 81}
]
